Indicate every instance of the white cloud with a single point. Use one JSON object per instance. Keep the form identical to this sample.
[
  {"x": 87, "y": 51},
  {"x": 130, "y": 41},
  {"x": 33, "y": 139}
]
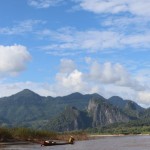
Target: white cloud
[
  {"x": 126, "y": 24},
  {"x": 144, "y": 97},
  {"x": 135, "y": 7},
  {"x": 100, "y": 78},
  {"x": 107, "y": 79},
  {"x": 93, "y": 41},
  {"x": 137, "y": 40},
  {"x": 117, "y": 32},
  {"x": 105, "y": 73},
  {"x": 43, "y": 89},
  {"x": 13, "y": 59},
  {"x": 73, "y": 81},
  {"x": 109, "y": 73},
  {"x": 20, "y": 27},
  {"x": 67, "y": 66},
  {"x": 43, "y": 3}
]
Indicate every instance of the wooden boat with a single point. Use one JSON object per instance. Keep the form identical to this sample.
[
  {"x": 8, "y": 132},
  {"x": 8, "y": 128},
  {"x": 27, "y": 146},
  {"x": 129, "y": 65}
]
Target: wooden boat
[{"x": 53, "y": 143}]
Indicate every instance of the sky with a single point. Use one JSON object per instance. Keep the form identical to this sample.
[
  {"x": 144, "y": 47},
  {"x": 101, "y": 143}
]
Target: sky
[{"x": 58, "y": 47}]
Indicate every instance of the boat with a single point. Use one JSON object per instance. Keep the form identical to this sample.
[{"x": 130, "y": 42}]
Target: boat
[{"x": 53, "y": 143}]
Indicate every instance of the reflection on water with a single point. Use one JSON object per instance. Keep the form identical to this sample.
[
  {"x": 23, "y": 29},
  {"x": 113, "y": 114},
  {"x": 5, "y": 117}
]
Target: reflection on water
[{"x": 107, "y": 143}]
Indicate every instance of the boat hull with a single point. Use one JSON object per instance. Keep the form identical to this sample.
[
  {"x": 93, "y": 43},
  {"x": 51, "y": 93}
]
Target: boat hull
[{"x": 54, "y": 144}]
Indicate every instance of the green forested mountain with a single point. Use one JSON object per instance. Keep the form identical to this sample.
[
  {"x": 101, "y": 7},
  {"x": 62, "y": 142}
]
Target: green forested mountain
[
  {"x": 27, "y": 108},
  {"x": 70, "y": 119},
  {"x": 71, "y": 112},
  {"x": 103, "y": 113},
  {"x": 129, "y": 107}
]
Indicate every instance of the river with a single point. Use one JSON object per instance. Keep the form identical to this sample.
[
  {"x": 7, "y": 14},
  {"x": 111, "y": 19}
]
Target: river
[{"x": 103, "y": 143}]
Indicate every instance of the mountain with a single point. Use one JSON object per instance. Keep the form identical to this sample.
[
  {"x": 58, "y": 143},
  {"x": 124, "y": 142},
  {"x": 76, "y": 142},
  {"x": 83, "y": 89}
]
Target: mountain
[
  {"x": 77, "y": 100},
  {"x": 98, "y": 113},
  {"x": 129, "y": 107},
  {"x": 145, "y": 114},
  {"x": 22, "y": 107},
  {"x": 71, "y": 112},
  {"x": 103, "y": 113},
  {"x": 70, "y": 119},
  {"x": 26, "y": 108},
  {"x": 117, "y": 101},
  {"x": 121, "y": 103}
]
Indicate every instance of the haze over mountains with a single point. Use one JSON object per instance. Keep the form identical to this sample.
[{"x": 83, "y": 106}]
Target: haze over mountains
[{"x": 72, "y": 112}]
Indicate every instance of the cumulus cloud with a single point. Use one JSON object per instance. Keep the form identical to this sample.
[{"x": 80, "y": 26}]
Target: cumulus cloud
[
  {"x": 69, "y": 78},
  {"x": 98, "y": 76},
  {"x": 67, "y": 66},
  {"x": 43, "y": 3},
  {"x": 135, "y": 7},
  {"x": 73, "y": 80},
  {"x": 144, "y": 97},
  {"x": 109, "y": 73},
  {"x": 107, "y": 79},
  {"x": 13, "y": 59},
  {"x": 106, "y": 73}
]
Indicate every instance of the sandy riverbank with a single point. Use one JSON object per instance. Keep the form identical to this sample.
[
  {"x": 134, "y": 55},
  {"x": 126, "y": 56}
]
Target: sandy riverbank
[
  {"x": 91, "y": 136},
  {"x": 95, "y": 136},
  {"x": 105, "y": 135}
]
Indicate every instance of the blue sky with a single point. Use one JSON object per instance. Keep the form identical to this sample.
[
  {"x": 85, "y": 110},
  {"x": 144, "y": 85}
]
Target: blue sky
[{"x": 57, "y": 47}]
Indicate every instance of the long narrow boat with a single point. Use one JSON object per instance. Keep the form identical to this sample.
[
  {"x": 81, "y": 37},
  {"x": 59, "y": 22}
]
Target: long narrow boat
[{"x": 53, "y": 143}]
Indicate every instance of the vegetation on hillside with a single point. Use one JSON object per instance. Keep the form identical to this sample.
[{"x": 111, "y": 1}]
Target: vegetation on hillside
[
  {"x": 68, "y": 113},
  {"x": 132, "y": 127}
]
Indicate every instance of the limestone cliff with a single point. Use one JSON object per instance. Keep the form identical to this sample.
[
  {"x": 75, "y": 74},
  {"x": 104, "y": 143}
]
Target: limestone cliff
[{"x": 103, "y": 113}]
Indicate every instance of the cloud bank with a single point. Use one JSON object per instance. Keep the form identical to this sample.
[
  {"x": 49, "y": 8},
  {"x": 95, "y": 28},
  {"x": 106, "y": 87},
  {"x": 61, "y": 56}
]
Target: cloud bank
[{"x": 107, "y": 79}]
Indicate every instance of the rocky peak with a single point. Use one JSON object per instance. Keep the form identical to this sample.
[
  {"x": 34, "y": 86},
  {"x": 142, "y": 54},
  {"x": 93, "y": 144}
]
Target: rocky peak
[{"x": 103, "y": 113}]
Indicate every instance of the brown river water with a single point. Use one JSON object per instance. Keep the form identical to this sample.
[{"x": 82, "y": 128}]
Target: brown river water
[{"x": 102, "y": 143}]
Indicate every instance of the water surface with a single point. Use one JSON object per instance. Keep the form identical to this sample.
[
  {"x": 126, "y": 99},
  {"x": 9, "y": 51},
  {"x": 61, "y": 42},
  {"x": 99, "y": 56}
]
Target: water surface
[{"x": 105, "y": 143}]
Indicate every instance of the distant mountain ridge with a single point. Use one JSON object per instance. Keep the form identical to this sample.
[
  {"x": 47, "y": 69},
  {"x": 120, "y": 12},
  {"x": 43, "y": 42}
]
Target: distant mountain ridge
[
  {"x": 129, "y": 107},
  {"x": 25, "y": 108},
  {"x": 121, "y": 103},
  {"x": 28, "y": 109}
]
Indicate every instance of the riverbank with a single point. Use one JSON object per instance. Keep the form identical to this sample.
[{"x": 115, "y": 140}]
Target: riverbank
[
  {"x": 16, "y": 136},
  {"x": 104, "y": 135},
  {"x": 106, "y": 143},
  {"x": 64, "y": 137},
  {"x": 95, "y": 136}
]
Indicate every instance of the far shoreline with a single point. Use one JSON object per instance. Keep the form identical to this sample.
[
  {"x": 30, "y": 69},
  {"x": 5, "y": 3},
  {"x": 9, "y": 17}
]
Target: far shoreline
[
  {"x": 89, "y": 137},
  {"x": 92, "y": 136}
]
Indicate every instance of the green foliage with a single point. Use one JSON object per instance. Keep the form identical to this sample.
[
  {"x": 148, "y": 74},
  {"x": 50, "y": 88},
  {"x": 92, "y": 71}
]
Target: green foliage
[
  {"x": 70, "y": 119},
  {"x": 37, "y": 135},
  {"x": 5, "y": 134},
  {"x": 30, "y": 110},
  {"x": 25, "y": 133},
  {"x": 132, "y": 127},
  {"x": 26, "y": 107}
]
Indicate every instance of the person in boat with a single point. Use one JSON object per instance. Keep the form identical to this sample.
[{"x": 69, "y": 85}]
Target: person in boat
[
  {"x": 71, "y": 140},
  {"x": 51, "y": 143}
]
